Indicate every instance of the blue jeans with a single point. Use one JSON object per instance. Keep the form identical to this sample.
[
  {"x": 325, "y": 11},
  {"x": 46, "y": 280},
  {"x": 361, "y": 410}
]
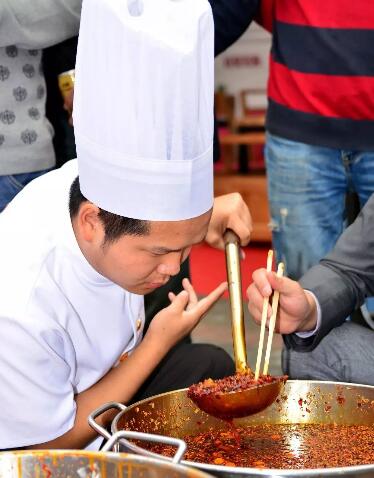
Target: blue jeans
[
  {"x": 11, "y": 185},
  {"x": 307, "y": 190}
]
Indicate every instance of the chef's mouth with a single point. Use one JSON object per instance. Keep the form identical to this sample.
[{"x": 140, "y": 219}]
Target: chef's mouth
[{"x": 156, "y": 285}]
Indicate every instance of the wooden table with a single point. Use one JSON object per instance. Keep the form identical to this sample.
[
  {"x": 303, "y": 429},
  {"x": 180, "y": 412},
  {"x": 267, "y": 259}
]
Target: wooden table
[
  {"x": 230, "y": 140},
  {"x": 248, "y": 131},
  {"x": 248, "y": 139},
  {"x": 256, "y": 120}
]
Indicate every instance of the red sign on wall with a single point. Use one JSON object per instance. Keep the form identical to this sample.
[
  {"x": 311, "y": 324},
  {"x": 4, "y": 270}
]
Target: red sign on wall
[{"x": 238, "y": 61}]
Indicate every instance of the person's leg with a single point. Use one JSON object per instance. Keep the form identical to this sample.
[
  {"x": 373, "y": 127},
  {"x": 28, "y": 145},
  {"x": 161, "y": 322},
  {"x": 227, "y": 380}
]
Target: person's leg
[
  {"x": 346, "y": 354},
  {"x": 184, "y": 365},
  {"x": 11, "y": 185},
  {"x": 361, "y": 168},
  {"x": 307, "y": 187}
]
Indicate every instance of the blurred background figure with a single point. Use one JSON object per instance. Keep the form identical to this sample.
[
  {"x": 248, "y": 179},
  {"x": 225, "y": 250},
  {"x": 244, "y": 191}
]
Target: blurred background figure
[
  {"x": 57, "y": 60},
  {"x": 319, "y": 126},
  {"x": 26, "y": 135},
  {"x": 319, "y": 113}
]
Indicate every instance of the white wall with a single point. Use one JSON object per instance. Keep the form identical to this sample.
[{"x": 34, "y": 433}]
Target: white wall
[{"x": 245, "y": 64}]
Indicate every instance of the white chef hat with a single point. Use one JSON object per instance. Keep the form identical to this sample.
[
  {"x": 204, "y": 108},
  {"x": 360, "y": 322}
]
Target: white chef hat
[{"x": 143, "y": 107}]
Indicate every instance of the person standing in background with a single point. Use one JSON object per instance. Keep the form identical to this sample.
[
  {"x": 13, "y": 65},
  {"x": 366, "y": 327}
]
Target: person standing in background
[
  {"x": 26, "y": 147},
  {"x": 320, "y": 119},
  {"x": 320, "y": 122},
  {"x": 60, "y": 59}
]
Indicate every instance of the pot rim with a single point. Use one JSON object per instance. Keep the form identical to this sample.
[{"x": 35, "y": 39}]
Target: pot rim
[
  {"x": 307, "y": 472},
  {"x": 100, "y": 455}
]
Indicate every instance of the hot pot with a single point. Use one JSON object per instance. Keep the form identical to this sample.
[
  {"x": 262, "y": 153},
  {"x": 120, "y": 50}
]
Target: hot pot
[
  {"x": 86, "y": 464},
  {"x": 173, "y": 414}
]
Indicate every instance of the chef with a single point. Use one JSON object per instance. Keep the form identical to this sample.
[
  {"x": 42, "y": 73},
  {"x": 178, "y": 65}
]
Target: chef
[{"x": 82, "y": 245}]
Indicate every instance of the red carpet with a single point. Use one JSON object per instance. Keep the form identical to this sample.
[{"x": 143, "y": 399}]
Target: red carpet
[{"x": 208, "y": 266}]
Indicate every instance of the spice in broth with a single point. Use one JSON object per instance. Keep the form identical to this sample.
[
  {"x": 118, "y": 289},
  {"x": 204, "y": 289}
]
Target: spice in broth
[{"x": 288, "y": 446}]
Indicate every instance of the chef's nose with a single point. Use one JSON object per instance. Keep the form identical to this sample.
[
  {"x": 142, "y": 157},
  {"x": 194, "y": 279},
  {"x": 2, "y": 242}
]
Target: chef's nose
[{"x": 171, "y": 264}]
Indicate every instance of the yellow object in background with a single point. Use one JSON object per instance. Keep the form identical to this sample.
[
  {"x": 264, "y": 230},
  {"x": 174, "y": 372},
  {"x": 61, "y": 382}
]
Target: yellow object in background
[{"x": 66, "y": 82}]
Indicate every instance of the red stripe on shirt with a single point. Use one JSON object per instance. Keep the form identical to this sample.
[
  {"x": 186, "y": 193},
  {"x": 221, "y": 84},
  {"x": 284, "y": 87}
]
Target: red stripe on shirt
[
  {"x": 327, "y": 13},
  {"x": 333, "y": 96},
  {"x": 265, "y": 14}
]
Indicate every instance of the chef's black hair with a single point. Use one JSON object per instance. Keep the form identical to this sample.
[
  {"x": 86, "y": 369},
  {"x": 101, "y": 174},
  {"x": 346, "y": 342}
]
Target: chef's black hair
[{"x": 115, "y": 226}]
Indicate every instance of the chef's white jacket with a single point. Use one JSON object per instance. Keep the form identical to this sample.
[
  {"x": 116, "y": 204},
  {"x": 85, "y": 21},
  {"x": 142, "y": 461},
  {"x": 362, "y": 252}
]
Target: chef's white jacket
[{"x": 63, "y": 326}]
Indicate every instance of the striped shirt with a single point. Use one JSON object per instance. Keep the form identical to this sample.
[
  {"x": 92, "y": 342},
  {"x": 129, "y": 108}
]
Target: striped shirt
[{"x": 321, "y": 84}]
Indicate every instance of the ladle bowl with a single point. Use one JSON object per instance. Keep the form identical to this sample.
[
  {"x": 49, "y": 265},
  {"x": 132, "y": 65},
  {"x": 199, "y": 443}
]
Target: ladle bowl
[
  {"x": 246, "y": 397},
  {"x": 239, "y": 403}
]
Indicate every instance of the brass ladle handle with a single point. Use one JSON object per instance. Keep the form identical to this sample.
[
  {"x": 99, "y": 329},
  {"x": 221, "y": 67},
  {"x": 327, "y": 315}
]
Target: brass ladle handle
[{"x": 235, "y": 292}]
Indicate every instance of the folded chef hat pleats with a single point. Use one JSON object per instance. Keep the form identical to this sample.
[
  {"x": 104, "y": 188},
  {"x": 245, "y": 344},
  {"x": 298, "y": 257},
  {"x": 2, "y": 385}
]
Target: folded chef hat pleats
[{"x": 143, "y": 107}]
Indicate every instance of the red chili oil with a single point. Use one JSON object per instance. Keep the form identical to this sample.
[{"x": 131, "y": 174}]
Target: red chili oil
[
  {"x": 291, "y": 446},
  {"x": 233, "y": 383}
]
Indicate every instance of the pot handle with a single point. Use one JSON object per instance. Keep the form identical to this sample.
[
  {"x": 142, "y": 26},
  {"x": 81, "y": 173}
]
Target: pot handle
[
  {"x": 127, "y": 434},
  {"x": 99, "y": 411}
]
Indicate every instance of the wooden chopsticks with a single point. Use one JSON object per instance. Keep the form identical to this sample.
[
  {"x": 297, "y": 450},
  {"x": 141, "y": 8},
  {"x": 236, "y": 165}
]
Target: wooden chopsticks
[{"x": 274, "y": 305}]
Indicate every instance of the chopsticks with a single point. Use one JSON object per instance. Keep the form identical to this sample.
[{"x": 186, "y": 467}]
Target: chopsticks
[
  {"x": 272, "y": 321},
  {"x": 269, "y": 264},
  {"x": 274, "y": 305}
]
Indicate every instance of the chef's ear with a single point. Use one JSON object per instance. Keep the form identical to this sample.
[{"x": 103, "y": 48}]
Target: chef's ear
[{"x": 89, "y": 223}]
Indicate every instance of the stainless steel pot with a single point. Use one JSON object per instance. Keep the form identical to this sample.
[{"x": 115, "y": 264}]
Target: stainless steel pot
[
  {"x": 86, "y": 464},
  {"x": 174, "y": 415}
]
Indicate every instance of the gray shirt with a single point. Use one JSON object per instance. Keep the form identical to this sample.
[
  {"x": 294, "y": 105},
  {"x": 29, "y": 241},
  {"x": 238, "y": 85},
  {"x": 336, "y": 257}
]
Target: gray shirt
[{"x": 26, "y": 27}]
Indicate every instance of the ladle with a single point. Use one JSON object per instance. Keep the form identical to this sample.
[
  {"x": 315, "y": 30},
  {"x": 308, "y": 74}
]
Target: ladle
[{"x": 258, "y": 396}]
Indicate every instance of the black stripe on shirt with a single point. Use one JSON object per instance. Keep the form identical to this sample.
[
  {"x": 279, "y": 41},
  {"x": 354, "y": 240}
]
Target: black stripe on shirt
[
  {"x": 328, "y": 51},
  {"x": 357, "y": 135}
]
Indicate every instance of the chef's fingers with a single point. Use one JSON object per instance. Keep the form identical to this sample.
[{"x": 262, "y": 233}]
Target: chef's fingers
[
  {"x": 242, "y": 229},
  {"x": 239, "y": 219},
  {"x": 207, "y": 302},
  {"x": 179, "y": 302},
  {"x": 193, "y": 300},
  {"x": 171, "y": 296},
  {"x": 215, "y": 238},
  {"x": 192, "y": 297}
]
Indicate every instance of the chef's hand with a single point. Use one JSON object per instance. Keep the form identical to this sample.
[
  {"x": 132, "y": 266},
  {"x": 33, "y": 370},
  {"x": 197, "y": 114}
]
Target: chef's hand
[
  {"x": 185, "y": 311},
  {"x": 229, "y": 212},
  {"x": 297, "y": 310}
]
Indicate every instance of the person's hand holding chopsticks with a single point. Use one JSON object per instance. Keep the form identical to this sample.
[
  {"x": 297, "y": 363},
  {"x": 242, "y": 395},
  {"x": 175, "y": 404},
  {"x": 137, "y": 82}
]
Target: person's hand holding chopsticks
[{"x": 297, "y": 310}]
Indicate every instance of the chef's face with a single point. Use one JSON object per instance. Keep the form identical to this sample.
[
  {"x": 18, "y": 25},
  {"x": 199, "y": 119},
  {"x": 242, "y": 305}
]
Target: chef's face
[{"x": 141, "y": 264}]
